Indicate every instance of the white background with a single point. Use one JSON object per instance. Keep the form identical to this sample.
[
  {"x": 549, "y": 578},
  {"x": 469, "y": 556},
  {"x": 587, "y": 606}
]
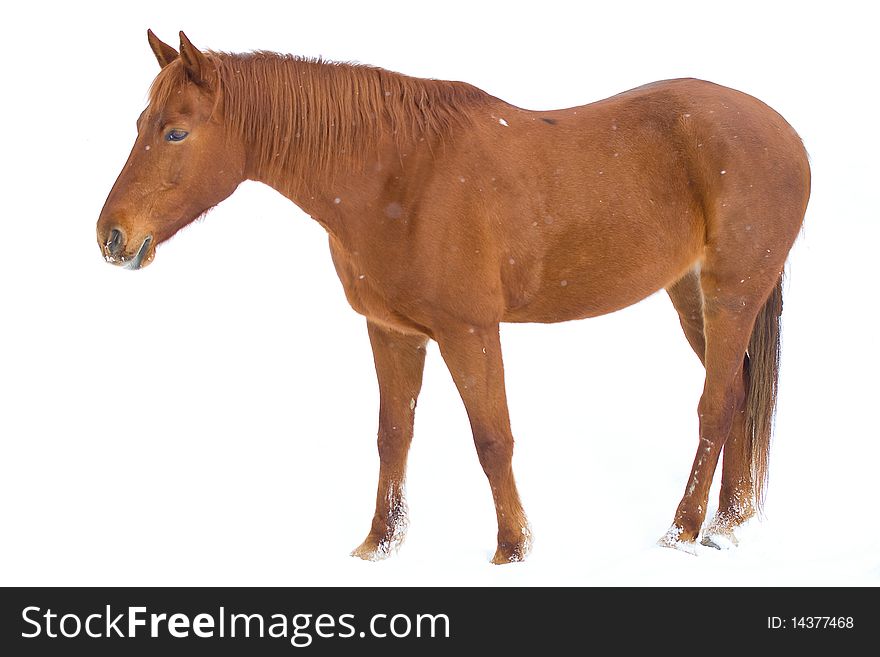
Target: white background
[{"x": 211, "y": 420}]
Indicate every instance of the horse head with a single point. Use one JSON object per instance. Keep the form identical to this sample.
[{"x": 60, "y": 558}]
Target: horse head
[{"x": 183, "y": 162}]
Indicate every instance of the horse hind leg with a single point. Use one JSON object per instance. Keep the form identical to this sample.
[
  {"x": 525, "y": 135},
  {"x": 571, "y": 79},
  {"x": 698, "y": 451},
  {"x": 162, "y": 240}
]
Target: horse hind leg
[
  {"x": 737, "y": 491},
  {"x": 725, "y": 326},
  {"x": 745, "y": 452},
  {"x": 736, "y": 500}
]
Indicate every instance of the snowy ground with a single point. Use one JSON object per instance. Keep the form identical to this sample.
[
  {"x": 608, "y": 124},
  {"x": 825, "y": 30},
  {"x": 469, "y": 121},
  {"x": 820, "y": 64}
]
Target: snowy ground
[{"x": 211, "y": 419}]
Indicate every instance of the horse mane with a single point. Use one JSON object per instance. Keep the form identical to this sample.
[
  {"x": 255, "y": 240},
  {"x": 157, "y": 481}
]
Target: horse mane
[{"x": 300, "y": 115}]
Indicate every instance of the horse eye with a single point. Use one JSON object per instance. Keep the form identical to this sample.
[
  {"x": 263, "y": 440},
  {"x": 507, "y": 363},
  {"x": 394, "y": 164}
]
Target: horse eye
[{"x": 176, "y": 135}]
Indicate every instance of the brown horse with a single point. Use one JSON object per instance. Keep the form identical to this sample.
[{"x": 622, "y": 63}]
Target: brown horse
[{"x": 450, "y": 211}]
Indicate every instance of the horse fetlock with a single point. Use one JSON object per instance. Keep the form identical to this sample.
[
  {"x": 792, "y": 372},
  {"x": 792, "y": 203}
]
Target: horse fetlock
[
  {"x": 689, "y": 517},
  {"x": 386, "y": 534},
  {"x": 736, "y": 508},
  {"x": 719, "y": 533}
]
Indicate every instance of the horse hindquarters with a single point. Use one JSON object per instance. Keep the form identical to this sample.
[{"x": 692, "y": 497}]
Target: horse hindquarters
[{"x": 754, "y": 180}]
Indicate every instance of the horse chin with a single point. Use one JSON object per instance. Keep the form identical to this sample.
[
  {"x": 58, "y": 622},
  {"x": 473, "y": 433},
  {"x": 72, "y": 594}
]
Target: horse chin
[{"x": 144, "y": 256}]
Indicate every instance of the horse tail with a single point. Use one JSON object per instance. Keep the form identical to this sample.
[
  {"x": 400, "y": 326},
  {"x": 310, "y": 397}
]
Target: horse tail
[{"x": 763, "y": 379}]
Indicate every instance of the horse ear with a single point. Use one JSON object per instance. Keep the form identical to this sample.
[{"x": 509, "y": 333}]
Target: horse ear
[
  {"x": 197, "y": 65},
  {"x": 165, "y": 54}
]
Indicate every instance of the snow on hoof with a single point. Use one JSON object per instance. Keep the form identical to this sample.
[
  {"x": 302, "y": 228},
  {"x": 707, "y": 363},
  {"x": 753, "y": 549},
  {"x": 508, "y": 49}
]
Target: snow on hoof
[
  {"x": 672, "y": 539},
  {"x": 719, "y": 539},
  {"x": 516, "y": 551},
  {"x": 515, "y": 554},
  {"x": 371, "y": 551},
  {"x": 378, "y": 546},
  {"x": 719, "y": 533}
]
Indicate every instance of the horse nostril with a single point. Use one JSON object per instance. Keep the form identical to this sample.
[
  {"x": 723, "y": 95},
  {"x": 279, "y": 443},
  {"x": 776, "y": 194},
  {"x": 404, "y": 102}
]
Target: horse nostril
[{"x": 114, "y": 242}]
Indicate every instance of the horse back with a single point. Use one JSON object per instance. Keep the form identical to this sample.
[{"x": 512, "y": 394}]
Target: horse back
[{"x": 579, "y": 212}]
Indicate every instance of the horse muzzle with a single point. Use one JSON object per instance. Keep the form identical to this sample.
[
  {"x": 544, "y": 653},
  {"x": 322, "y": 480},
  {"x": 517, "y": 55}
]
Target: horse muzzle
[{"x": 114, "y": 251}]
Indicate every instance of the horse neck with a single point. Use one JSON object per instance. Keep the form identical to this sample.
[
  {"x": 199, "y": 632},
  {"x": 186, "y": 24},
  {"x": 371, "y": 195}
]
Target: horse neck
[
  {"x": 327, "y": 135},
  {"x": 334, "y": 199}
]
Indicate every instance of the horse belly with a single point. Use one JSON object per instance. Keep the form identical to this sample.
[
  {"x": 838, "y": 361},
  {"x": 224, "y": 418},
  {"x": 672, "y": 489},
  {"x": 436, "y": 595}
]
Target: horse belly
[
  {"x": 580, "y": 296},
  {"x": 605, "y": 219},
  {"x": 595, "y": 268}
]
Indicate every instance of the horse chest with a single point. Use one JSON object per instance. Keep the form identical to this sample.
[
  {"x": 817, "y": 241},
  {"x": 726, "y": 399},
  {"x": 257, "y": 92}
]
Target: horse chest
[{"x": 367, "y": 292}]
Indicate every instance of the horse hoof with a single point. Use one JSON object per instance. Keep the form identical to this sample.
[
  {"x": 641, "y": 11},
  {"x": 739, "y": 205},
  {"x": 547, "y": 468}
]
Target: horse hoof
[
  {"x": 513, "y": 552},
  {"x": 719, "y": 533},
  {"x": 673, "y": 539},
  {"x": 720, "y": 540},
  {"x": 503, "y": 556},
  {"x": 373, "y": 551}
]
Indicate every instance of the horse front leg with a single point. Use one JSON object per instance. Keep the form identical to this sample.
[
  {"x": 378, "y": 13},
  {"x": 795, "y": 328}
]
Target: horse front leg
[
  {"x": 400, "y": 361},
  {"x": 473, "y": 356}
]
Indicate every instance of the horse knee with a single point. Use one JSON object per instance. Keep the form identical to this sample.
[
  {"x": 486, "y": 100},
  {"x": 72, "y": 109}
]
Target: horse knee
[
  {"x": 390, "y": 441},
  {"x": 495, "y": 450}
]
